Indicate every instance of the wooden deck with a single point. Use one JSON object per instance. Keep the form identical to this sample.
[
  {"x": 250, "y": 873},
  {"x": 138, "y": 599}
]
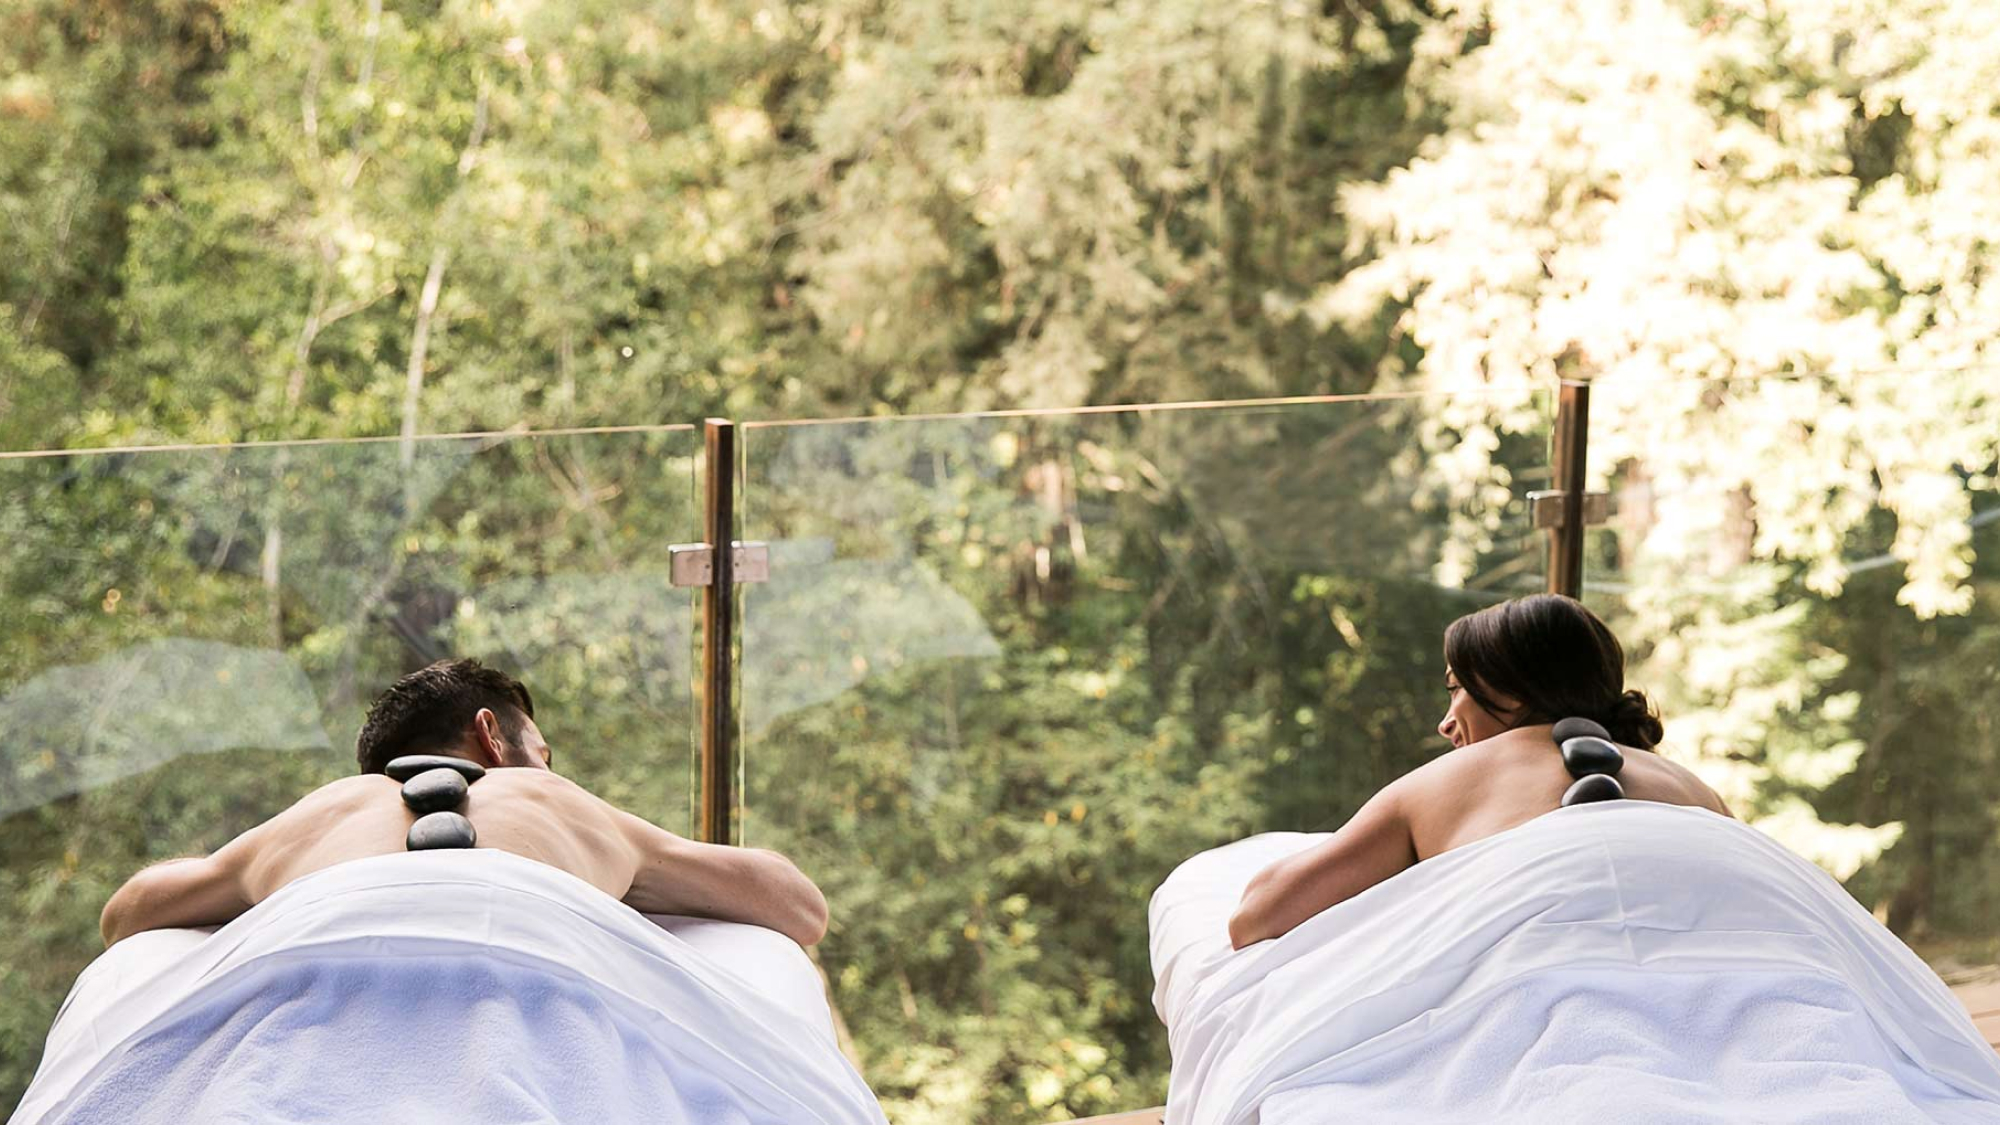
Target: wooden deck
[
  {"x": 1980, "y": 993},
  {"x": 1981, "y": 997}
]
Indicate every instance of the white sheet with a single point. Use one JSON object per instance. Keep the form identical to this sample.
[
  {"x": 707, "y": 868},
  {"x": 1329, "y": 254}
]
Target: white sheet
[
  {"x": 1618, "y": 962},
  {"x": 449, "y": 987}
]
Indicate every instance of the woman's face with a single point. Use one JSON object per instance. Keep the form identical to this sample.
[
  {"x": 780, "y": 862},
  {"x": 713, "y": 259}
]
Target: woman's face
[{"x": 1465, "y": 721}]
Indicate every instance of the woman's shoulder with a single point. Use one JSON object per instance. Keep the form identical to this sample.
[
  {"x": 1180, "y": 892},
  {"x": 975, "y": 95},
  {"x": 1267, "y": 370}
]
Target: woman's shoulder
[
  {"x": 1505, "y": 749},
  {"x": 1693, "y": 790},
  {"x": 1461, "y": 774},
  {"x": 1505, "y": 766}
]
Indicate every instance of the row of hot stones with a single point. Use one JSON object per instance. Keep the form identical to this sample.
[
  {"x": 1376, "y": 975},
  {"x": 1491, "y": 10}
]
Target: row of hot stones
[
  {"x": 434, "y": 787},
  {"x": 1592, "y": 759}
]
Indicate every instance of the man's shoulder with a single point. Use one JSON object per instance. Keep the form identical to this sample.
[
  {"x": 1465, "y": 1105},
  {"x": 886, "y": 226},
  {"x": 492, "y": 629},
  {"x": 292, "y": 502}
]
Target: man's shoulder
[
  {"x": 545, "y": 787},
  {"x": 350, "y": 789},
  {"x": 524, "y": 779},
  {"x": 339, "y": 796}
]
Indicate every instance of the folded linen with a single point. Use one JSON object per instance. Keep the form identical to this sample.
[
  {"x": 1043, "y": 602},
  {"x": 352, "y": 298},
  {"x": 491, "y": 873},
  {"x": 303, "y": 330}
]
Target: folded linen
[
  {"x": 1626, "y": 961},
  {"x": 449, "y": 987}
]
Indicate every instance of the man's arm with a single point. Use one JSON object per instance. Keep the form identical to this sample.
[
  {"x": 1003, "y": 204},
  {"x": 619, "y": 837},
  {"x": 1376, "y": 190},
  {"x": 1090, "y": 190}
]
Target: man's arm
[
  {"x": 1371, "y": 847},
  {"x": 207, "y": 891},
  {"x": 215, "y": 889},
  {"x": 763, "y": 888}
]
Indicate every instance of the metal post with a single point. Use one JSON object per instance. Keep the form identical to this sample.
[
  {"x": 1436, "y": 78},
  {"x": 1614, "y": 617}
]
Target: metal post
[
  {"x": 718, "y": 630},
  {"x": 1571, "y": 448}
]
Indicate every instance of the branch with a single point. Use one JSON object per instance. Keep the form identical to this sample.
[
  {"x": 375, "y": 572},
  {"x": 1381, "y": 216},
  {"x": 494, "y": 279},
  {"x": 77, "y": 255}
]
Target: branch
[
  {"x": 420, "y": 340},
  {"x": 420, "y": 343}
]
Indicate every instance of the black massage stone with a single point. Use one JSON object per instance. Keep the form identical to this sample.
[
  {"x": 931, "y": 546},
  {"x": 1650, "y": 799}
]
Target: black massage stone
[
  {"x": 410, "y": 765},
  {"x": 441, "y": 830},
  {"x": 1588, "y": 789},
  {"x": 1578, "y": 728},
  {"x": 434, "y": 791},
  {"x": 1584, "y": 755}
]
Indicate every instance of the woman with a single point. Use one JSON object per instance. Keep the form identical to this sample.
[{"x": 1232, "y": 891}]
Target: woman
[{"x": 1512, "y": 671}]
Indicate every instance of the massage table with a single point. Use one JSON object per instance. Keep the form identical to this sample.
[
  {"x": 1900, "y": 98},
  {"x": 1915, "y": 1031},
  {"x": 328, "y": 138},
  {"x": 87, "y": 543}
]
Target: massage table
[
  {"x": 1624, "y": 962},
  {"x": 453, "y": 986}
]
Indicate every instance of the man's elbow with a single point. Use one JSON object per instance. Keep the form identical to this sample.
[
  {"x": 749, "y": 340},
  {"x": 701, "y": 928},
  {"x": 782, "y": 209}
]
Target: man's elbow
[
  {"x": 111, "y": 923},
  {"x": 805, "y": 914},
  {"x": 811, "y": 922},
  {"x": 120, "y": 917}
]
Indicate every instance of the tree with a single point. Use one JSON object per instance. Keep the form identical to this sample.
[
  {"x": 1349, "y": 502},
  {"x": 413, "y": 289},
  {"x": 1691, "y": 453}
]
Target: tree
[
  {"x": 1744, "y": 227},
  {"x": 1008, "y": 671}
]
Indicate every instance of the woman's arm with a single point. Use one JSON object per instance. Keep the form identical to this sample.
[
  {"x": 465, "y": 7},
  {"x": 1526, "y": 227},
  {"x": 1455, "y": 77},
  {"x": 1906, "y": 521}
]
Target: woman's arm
[
  {"x": 762, "y": 888},
  {"x": 1369, "y": 848}
]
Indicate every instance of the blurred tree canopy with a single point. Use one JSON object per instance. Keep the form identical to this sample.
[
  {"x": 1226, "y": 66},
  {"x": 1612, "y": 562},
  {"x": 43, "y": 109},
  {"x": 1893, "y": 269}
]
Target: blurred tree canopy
[
  {"x": 1008, "y": 672},
  {"x": 331, "y": 219},
  {"x": 1786, "y": 209}
]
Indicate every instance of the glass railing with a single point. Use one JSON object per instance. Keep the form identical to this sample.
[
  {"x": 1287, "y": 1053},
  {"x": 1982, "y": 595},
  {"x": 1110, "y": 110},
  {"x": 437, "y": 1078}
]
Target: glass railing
[
  {"x": 1009, "y": 670},
  {"x": 1811, "y": 589},
  {"x": 192, "y": 637}
]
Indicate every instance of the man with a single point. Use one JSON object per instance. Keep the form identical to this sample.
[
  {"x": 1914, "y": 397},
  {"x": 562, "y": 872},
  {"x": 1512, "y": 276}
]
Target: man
[{"x": 460, "y": 709}]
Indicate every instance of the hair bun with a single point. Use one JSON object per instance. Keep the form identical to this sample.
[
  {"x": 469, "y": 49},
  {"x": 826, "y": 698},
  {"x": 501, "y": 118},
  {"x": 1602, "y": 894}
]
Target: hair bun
[{"x": 1634, "y": 722}]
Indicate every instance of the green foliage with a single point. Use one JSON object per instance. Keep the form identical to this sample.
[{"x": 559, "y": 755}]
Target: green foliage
[
  {"x": 1680, "y": 202},
  {"x": 193, "y": 638},
  {"x": 1057, "y": 202},
  {"x": 1008, "y": 671}
]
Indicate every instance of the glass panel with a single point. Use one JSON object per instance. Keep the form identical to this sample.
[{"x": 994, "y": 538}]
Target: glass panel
[
  {"x": 193, "y": 638},
  {"x": 1008, "y": 671},
  {"x": 1806, "y": 572}
]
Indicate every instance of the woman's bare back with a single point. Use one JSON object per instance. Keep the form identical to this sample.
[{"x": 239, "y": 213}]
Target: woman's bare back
[{"x": 1488, "y": 787}]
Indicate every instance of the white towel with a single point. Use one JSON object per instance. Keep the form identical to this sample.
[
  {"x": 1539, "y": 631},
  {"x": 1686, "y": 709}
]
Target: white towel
[
  {"x": 1617, "y": 962},
  {"x": 460, "y": 987}
]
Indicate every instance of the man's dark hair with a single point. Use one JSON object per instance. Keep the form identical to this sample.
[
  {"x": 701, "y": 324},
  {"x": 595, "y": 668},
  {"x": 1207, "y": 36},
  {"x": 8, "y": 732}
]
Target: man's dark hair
[
  {"x": 1555, "y": 657},
  {"x": 429, "y": 709}
]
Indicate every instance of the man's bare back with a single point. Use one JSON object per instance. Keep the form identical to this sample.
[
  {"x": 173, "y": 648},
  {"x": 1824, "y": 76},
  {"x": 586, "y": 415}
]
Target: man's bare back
[
  {"x": 462, "y": 709},
  {"x": 529, "y": 812},
  {"x": 533, "y": 813}
]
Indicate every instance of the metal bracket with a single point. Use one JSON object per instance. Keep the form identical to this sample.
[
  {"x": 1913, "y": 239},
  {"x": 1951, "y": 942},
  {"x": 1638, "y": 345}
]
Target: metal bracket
[
  {"x": 693, "y": 564},
  {"x": 1546, "y": 507}
]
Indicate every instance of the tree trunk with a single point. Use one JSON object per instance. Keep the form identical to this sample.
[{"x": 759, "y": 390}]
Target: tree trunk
[
  {"x": 427, "y": 302},
  {"x": 420, "y": 345}
]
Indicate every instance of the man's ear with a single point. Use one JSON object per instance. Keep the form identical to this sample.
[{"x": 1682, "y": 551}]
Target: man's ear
[{"x": 487, "y": 741}]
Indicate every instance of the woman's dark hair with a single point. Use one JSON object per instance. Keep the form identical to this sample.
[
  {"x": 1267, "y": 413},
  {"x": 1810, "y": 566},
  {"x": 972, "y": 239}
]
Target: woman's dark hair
[
  {"x": 429, "y": 710},
  {"x": 1557, "y": 659}
]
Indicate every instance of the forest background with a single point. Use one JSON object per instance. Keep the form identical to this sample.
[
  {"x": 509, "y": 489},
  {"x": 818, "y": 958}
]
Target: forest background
[{"x": 1009, "y": 670}]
